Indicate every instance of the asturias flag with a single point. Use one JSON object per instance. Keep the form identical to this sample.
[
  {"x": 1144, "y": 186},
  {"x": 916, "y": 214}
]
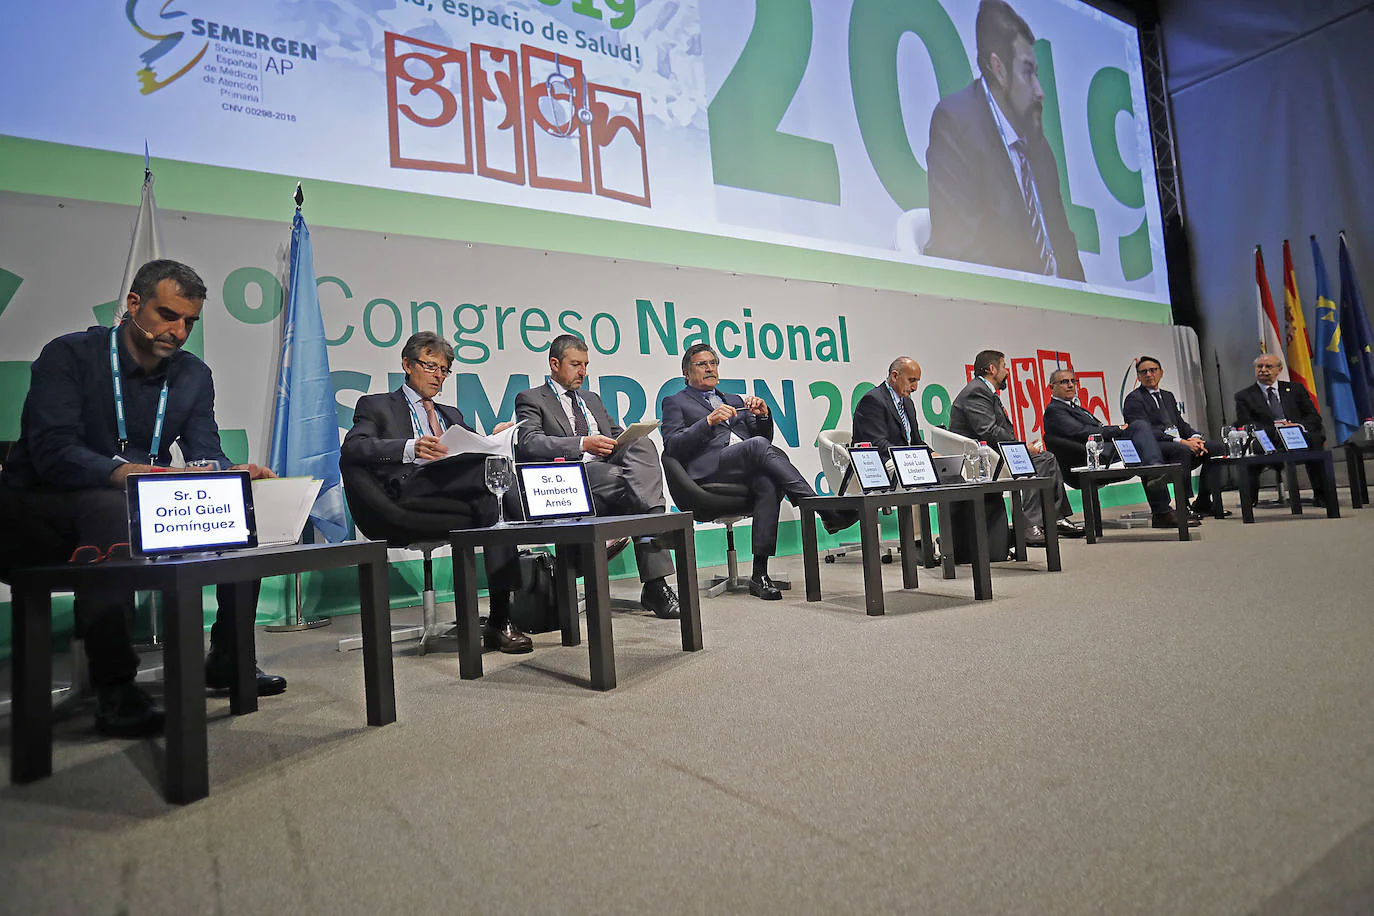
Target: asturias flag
[
  {"x": 1268, "y": 318},
  {"x": 305, "y": 426},
  {"x": 1331, "y": 355},
  {"x": 1298, "y": 344},
  {"x": 1356, "y": 336}
]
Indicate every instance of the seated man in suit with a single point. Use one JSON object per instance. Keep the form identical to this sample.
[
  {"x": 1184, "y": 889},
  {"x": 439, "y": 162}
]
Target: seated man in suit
[
  {"x": 886, "y": 416},
  {"x": 393, "y": 433},
  {"x": 1067, "y": 419},
  {"x": 724, "y": 438},
  {"x": 977, "y": 413},
  {"x": 1177, "y": 440},
  {"x": 1270, "y": 403},
  {"x": 562, "y": 420}
]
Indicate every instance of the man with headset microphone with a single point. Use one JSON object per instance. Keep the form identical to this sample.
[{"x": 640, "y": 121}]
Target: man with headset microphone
[{"x": 104, "y": 403}]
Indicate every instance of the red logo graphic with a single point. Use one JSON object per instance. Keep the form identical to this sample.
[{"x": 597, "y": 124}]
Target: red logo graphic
[
  {"x": 487, "y": 110},
  {"x": 1028, "y": 390}
]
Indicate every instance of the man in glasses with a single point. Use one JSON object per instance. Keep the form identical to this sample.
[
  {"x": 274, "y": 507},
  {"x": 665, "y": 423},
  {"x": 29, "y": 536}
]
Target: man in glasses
[
  {"x": 1066, "y": 418},
  {"x": 563, "y": 419},
  {"x": 396, "y": 434},
  {"x": 724, "y": 438},
  {"x": 1177, "y": 440},
  {"x": 102, "y": 404}
]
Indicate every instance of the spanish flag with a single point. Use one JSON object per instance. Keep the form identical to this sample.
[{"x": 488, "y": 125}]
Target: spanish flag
[{"x": 1299, "y": 346}]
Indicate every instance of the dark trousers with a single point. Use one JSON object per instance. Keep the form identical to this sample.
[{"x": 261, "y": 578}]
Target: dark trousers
[
  {"x": 53, "y": 524},
  {"x": 770, "y": 477},
  {"x": 1147, "y": 445},
  {"x": 1178, "y": 452},
  {"x": 630, "y": 482},
  {"x": 1316, "y": 475},
  {"x": 459, "y": 487}
]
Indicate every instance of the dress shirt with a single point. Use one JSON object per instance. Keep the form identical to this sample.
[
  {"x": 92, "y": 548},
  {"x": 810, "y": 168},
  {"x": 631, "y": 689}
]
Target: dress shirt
[
  {"x": 417, "y": 414},
  {"x": 566, "y": 403}
]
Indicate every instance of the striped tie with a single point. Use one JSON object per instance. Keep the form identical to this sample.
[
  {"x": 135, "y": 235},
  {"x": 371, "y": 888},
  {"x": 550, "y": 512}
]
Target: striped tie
[{"x": 1037, "y": 219}]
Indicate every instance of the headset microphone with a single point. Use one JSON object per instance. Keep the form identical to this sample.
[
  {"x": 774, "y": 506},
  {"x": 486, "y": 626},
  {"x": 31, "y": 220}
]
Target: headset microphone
[{"x": 134, "y": 322}]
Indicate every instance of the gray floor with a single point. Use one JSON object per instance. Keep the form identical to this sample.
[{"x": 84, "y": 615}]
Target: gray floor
[{"x": 1160, "y": 728}]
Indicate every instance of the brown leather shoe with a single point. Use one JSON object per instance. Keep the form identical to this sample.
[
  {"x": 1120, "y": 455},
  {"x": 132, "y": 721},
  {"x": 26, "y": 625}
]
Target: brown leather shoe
[{"x": 507, "y": 638}]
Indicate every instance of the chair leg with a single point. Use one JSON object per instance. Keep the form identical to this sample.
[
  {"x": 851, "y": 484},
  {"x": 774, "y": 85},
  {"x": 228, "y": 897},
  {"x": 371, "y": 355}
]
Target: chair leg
[
  {"x": 427, "y": 629},
  {"x": 732, "y": 581}
]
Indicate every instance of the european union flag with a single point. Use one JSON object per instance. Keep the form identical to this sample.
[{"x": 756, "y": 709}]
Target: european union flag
[
  {"x": 1356, "y": 336},
  {"x": 1331, "y": 355},
  {"x": 305, "y": 426}
]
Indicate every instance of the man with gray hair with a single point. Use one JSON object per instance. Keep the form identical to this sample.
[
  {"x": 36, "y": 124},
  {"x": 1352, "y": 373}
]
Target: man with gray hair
[
  {"x": 394, "y": 432},
  {"x": 886, "y": 415},
  {"x": 563, "y": 419}
]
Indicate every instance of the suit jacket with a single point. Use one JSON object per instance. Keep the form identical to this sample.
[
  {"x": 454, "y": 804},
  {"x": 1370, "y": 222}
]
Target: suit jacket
[
  {"x": 1139, "y": 405},
  {"x": 688, "y": 438},
  {"x": 876, "y": 420},
  {"x": 381, "y": 427},
  {"x": 1069, "y": 421},
  {"x": 1252, "y": 407},
  {"x": 977, "y": 212},
  {"x": 547, "y": 434},
  {"x": 979, "y": 414}
]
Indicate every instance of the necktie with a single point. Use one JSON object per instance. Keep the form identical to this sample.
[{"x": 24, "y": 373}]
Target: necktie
[
  {"x": 579, "y": 418},
  {"x": 1037, "y": 219},
  {"x": 906, "y": 421},
  {"x": 1275, "y": 407},
  {"x": 1159, "y": 402},
  {"x": 431, "y": 417}
]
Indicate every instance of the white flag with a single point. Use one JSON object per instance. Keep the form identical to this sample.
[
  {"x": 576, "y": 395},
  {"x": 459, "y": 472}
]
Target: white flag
[{"x": 146, "y": 243}]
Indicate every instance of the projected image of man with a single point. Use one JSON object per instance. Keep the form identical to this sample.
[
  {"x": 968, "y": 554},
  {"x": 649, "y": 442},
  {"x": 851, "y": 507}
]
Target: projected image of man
[{"x": 993, "y": 180}]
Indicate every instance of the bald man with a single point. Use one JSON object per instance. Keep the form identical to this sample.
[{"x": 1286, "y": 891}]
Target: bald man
[
  {"x": 886, "y": 415},
  {"x": 1270, "y": 403}
]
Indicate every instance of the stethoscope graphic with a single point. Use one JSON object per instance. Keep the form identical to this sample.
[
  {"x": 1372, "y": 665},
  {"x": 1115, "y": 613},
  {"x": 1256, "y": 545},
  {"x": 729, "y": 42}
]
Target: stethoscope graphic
[{"x": 564, "y": 116}]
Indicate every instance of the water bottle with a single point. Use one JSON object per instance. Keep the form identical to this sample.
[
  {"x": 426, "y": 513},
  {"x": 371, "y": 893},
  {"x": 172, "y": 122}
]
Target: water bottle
[
  {"x": 1235, "y": 442},
  {"x": 1369, "y": 430},
  {"x": 970, "y": 462},
  {"x": 1094, "y": 446},
  {"x": 984, "y": 463}
]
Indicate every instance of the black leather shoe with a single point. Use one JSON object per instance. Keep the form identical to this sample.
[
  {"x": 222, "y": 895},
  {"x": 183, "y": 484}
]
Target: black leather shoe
[
  {"x": 1068, "y": 528},
  {"x": 658, "y": 596},
  {"x": 1170, "y": 520},
  {"x": 835, "y": 522},
  {"x": 1201, "y": 509},
  {"x": 615, "y": 547},
  {"x": 219, "y": 674},
  {"x": 1035, "y": 536},
  {"x": 763, "y": 587},
  {"x": 507, "y": 638},
  {"x": 123, "y": 710}
]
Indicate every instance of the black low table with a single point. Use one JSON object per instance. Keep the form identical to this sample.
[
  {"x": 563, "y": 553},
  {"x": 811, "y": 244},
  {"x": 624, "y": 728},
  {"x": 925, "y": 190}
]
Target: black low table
[
  {"x": 1090, "y": 481},
  {"x": 180, "y": 581},
  {"x": 1355, "y": 454},
  {"x": 1290, "y": 461},
  {"x": 944, "y": 496},
  {"x": 588, "y": 538}
]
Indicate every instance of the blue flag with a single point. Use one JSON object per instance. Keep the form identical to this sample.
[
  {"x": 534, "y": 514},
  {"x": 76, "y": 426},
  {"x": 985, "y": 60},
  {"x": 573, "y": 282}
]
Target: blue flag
[
  {"x": 1356, "y": 336},
  {"x": 1331, "y": 355},
  {"x": 305, "y": 425}
]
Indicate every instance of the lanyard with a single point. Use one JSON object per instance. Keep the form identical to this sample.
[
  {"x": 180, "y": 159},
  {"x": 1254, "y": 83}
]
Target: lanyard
[
  {"x": 119, "y": 404},
  {"x": 583, "y": 407},
  {"x": 415, "y": 421}
]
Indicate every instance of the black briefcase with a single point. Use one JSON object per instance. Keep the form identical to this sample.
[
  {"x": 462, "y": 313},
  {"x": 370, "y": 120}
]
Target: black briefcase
[{"x": 999, "y": 534}]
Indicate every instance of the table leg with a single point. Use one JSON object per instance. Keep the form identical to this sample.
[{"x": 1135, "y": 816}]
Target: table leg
[
  {"x": 598, "y": 583},
  {"x": 982, "y": 566},
  {"x": 1052, "y": 562},
  {"x": 906, "y": 535},
  {"x": 379, "y": 679},
  {"x": 1290, "y": 474},
  {"x": 1018, "y": 526},
  {"x": 1247, "y": 497},
  {"x": 947, "y": 540},
  {"x": 31, "y": 741},
  {"x": 243, "y": 693},
  {"x": 1364, "y": 480},
  {"x": 465, "y": 604},
  {"x": 688, "y": 597},
  {"x": 1181, "y": 503},
  {"x": 927, "y": 537},
  {"x": 811, "y": 565},
  {"x": 1089, "y": 508},
  {"x": 873, "y": 563},
  {"x": 183, "y": 661},
  {"x": 1354, "y": 464},
  {"x": 565, "y": 593},
  {"x": 1333, "y": 506}
]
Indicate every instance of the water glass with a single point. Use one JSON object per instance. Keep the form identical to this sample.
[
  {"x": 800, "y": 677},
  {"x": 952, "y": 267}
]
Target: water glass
[
  {"x": 500, "y": 476},
  {"x": 1235, "y": 442},
  {"x": 206, "y": 464},
  {"x": 1094, "y": 446}
]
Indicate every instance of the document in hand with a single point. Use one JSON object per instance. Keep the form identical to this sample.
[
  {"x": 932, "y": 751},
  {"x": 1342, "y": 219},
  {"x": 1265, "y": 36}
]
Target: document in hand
[
  {"x": 464, "y": 442},
  {"x": 635, "y": 431}
]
